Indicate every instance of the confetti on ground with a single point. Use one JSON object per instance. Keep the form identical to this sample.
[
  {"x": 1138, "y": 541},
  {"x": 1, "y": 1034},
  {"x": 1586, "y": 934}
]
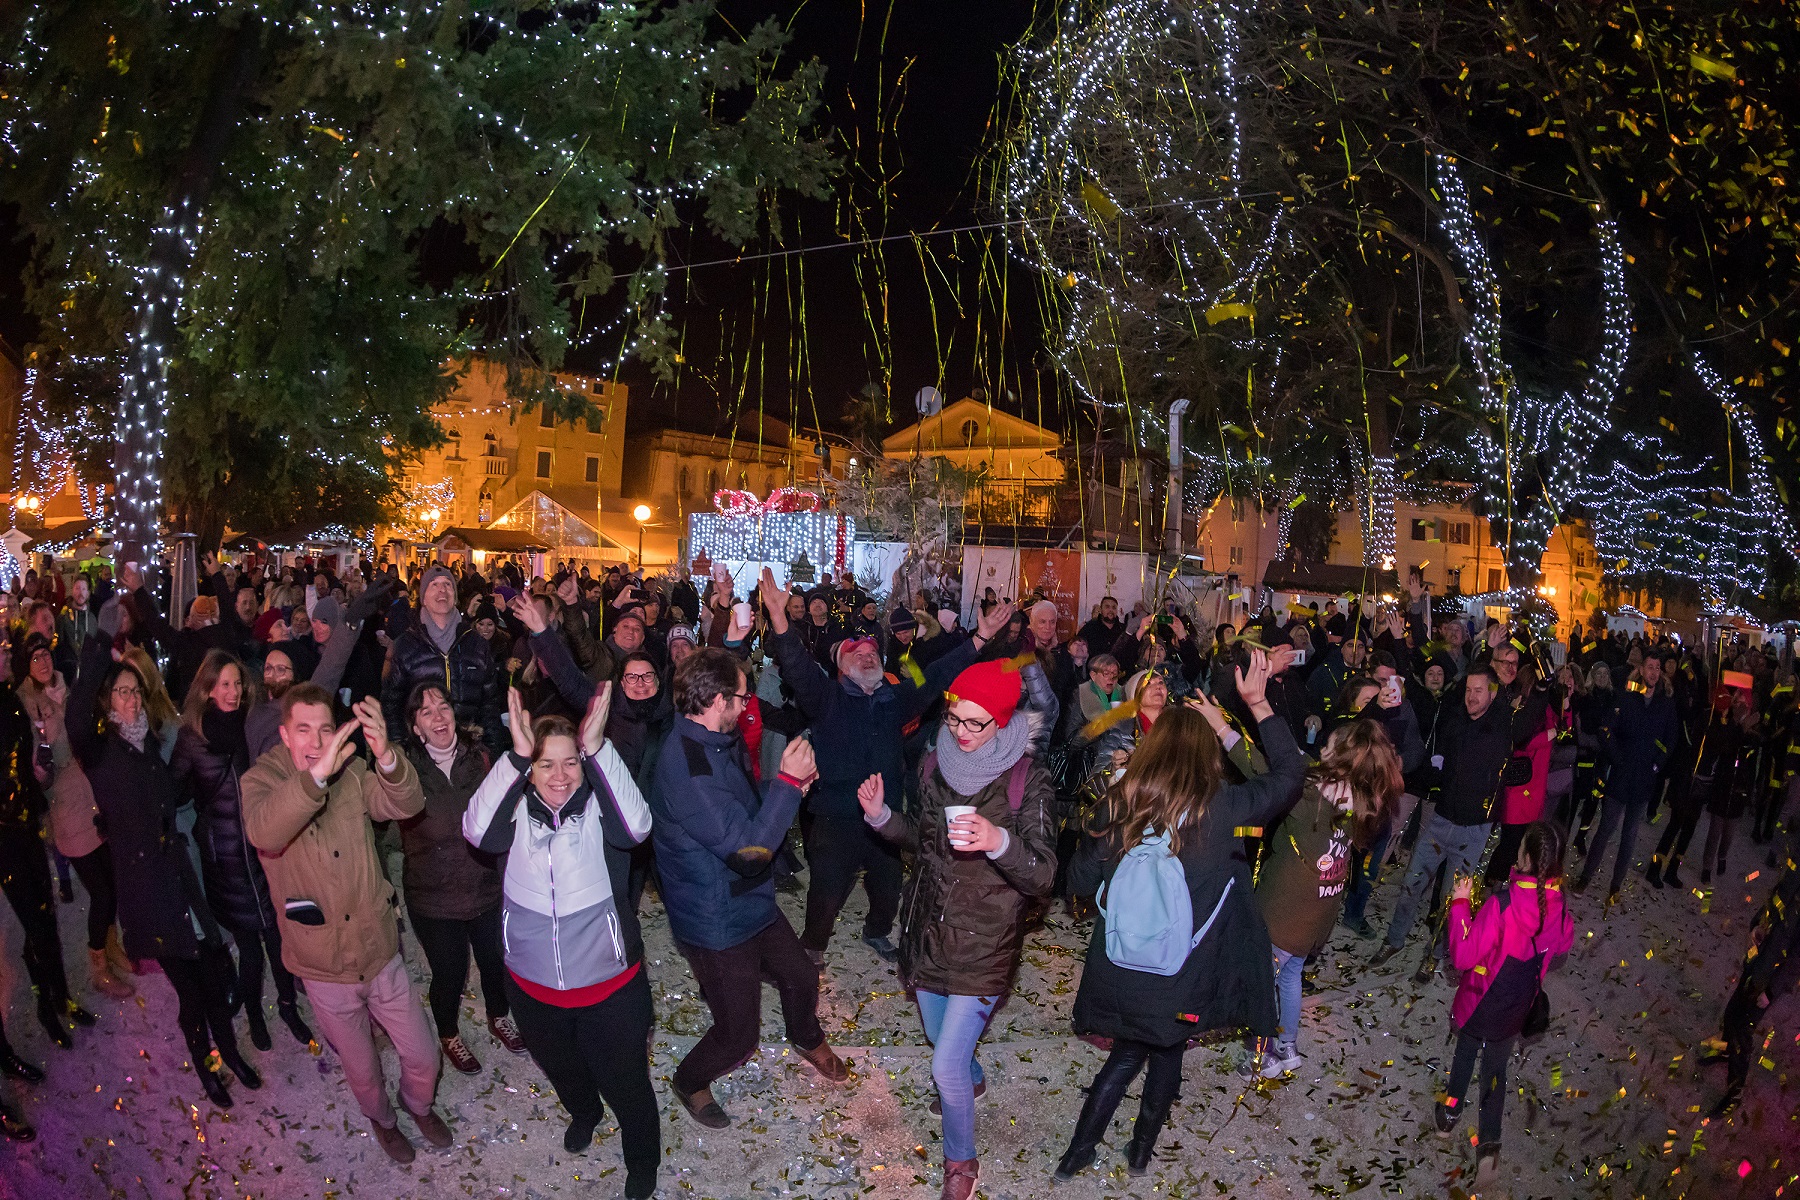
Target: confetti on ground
[{"x": 1623, "y": 1114}]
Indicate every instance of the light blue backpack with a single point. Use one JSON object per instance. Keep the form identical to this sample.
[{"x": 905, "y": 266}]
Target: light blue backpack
[{"x": 1149, "y": 914}]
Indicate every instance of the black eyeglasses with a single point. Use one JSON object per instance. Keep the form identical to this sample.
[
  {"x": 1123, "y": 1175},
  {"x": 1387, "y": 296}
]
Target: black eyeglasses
[
  {"x": 952, "y": 722},
  {"x": 639, "y": 676}
]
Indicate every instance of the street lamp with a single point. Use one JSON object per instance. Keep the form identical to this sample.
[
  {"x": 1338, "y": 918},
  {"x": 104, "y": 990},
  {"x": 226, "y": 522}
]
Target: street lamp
[{"x": 641, "y": 514}]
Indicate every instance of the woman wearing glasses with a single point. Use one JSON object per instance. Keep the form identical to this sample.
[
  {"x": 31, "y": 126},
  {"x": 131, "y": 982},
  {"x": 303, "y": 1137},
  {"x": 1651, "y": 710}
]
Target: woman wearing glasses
[
  {"x": 161, "y": 905},
  {"x": 985, "y": 841}
]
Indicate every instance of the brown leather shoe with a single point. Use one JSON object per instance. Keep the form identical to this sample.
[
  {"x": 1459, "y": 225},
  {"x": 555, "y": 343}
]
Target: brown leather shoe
[
  {"x": 457, "y": 1051},
  {"x": 704, "y": 1108},
  {"x": 507, "y": 1034},
  {"x": 394, "y": 1143},
  {"x": 825, "y": 1062},
  {"x": 959, "y": 1178},
  {"x": 432, "y": 1129}
]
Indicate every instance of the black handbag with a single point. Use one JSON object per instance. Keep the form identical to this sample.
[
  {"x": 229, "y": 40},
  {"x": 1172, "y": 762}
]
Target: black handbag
[
  {"x": 1537, "y": 1021},
  {"x": 1517, "y": 772}
]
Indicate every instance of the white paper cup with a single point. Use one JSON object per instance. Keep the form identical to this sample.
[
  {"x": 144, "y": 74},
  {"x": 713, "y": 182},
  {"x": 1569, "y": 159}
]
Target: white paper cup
[
  {"x": 953, "y": 811},
  {"x": 741, "y": 610},
  {"x": 1437, "y": 760}
]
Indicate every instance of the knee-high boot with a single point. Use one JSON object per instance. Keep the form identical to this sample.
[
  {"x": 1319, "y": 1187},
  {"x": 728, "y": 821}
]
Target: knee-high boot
[{"x": 1102, "y": 1101}]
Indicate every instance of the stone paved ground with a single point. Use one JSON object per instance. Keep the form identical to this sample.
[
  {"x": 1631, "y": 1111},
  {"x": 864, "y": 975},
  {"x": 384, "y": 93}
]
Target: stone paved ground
[{"x": 1609, "y": 1105}]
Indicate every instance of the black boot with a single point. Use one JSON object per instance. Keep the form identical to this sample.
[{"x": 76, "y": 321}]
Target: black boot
[
  {"x": 51, "y": 1020},
  {"x": 290, "y": 1014},
  {"x": 214, "y": 1086},
  {"x": 80, "y": 1015},
  {"x": 14, "y": 1067},
  {"x": 246, "y": 1073},
  {"x": 1097, "y": 1111},
  {"x": 1653, "y": 873},
  {"x": 15, "y": 1127},
  {"x": 1672, "y": 876},
  {"x": 259, "y": 1029},
  {"x": 1143, "y": 1141}
]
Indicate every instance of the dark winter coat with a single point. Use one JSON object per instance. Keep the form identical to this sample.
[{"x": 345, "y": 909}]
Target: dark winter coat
[
  {"x": 209, "y": 769},
  {"x": 857, "y": 734},
  {"x": 716, "y": 834},
  {"x": 1644, "y": 731},
  {"x": 962, "y": 919},
  {"x": 444, "y": 876},
  {"x": 137, "y": 795},
  {"x": 477, "y": 691},
  {"x": 22, "y": 801},
  {"x": 1226, "y": 982}
]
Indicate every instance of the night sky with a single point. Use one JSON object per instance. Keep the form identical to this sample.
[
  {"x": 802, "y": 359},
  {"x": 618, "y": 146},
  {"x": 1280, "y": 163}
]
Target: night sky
[{"x": 934, "y": 129}]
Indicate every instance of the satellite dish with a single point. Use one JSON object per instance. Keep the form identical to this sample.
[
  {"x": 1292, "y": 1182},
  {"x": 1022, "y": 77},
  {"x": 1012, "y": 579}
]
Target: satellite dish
[{"x": 929, "y": 401}]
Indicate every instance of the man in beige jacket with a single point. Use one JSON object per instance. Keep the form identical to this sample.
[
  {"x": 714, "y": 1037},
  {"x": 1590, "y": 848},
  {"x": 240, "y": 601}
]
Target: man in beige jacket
[{"x": 307, "y": 807}]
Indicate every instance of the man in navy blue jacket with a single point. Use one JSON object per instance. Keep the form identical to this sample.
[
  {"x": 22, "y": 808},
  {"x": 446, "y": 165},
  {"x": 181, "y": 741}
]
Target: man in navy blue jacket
[
  {"x": 715, "y": 837},
  {"x": 859, "y": 725}
]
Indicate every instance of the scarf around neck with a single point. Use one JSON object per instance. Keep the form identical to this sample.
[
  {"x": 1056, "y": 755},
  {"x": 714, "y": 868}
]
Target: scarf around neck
[
  {"x": 136, "y": 731},
  {"x": 442, "y": 636},
  {"x": 967, "y": 772}
]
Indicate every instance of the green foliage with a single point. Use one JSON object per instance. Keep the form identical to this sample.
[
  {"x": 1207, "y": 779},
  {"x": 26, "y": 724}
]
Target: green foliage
[{"x": 405, "y": 184}]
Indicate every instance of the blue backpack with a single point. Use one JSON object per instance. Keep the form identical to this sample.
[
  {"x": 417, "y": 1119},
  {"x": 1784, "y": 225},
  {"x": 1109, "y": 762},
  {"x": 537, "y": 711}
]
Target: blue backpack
[{"x": 1149, "y": 913}]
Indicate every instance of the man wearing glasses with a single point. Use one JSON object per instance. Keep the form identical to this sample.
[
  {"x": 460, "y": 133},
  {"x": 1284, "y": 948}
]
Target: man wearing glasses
[
  {"x": 858, "y": 723},
  {"x": 716, "y": 833}
]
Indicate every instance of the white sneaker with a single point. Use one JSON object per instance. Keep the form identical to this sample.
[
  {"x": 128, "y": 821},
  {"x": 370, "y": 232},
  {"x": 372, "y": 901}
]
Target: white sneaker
[{"x": 1279, "y": 1063}]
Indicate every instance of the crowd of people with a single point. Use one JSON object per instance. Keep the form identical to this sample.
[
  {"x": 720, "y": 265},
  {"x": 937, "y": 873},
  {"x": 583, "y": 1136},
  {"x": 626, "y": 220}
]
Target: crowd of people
[{"x": 541, "y": 753}]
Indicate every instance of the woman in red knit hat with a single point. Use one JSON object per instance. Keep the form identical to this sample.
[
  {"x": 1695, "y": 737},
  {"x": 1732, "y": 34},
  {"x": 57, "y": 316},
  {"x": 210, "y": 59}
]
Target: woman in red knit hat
[{"x": 986, "y": 847}]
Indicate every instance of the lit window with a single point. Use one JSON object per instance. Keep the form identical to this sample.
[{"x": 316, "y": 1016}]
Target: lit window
[{"x": 543, "y": 464}]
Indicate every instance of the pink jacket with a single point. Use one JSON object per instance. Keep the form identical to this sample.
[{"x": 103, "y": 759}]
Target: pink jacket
[
  {"x": 1505, "y": 928},
  {"x": 1525, "y": 803}
]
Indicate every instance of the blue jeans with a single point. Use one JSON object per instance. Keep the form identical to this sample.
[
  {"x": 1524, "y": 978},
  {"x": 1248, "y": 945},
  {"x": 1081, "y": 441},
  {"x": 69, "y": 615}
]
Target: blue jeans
[
  {"x": 955, "y": 1024},
  {"x": 1287, "y": 998},
  {"x": 1440, "y": 841}
]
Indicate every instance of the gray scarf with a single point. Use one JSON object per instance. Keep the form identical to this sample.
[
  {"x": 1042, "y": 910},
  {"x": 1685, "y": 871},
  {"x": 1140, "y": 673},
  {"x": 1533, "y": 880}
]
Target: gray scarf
[
  {"x": 442, "y": 636},
  {"x": 136, "y": 731},
  {"x": 967, "y": 773}
]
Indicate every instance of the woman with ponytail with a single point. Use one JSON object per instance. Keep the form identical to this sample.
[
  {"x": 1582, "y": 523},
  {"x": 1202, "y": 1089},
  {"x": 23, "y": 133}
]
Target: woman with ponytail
[{"x": 1504, "y": 951}]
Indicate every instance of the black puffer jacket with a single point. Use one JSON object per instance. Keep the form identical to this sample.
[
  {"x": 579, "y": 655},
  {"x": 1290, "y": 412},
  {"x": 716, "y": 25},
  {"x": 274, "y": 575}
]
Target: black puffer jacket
[
  {"x": 137, "y": 795},
  {"x": 445, "y": 876},
  {"x": 1226, "y": 982},
  {"x": 209, "y": 767},
  {"x": 477, "y": 691},
  {"x": 962, "y": 920}
]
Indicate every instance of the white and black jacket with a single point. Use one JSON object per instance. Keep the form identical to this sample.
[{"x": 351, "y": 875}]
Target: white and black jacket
[{"x": 563, "y": 928}]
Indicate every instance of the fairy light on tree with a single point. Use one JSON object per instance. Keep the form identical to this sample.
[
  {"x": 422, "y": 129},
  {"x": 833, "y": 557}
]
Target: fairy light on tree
[{"x": 280, "y": 255}]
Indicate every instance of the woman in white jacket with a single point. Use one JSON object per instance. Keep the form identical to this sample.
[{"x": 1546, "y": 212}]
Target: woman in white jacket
[{"x": 564, "y": 809}]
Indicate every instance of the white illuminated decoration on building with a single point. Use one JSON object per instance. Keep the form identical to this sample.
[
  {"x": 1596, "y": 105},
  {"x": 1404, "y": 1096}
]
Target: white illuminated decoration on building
[{"x": 750, "y": 533}]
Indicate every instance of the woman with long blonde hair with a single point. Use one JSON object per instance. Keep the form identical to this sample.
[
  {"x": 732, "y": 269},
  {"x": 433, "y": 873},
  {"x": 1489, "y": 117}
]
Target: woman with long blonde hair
[{"x": 1173, "y": 798}]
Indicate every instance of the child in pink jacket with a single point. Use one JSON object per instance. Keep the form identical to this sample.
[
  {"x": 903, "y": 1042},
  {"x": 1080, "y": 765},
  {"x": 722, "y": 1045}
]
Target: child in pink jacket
[{"x": 1504, "y": 951}]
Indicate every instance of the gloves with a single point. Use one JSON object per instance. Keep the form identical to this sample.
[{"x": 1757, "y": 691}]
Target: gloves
[
  {"x": 112, "y": 618},
  {"x": 372, "y": 598}
]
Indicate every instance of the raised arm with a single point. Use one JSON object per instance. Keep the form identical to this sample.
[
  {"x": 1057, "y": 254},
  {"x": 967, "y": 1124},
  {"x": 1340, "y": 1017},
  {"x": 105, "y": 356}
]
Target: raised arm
[
  {"x": 623, "y": 814},
  {"x": 82, "y": 717},
  {"x": 483, "y": 826}
]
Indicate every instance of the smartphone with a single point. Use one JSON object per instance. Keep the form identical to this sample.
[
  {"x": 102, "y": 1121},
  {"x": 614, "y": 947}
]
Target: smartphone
[{"x": 1299, "y": 659}]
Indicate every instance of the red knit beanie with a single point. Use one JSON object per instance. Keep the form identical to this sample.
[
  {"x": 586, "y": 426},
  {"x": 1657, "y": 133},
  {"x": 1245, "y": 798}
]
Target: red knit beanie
[{"x": 993, "y": 685}]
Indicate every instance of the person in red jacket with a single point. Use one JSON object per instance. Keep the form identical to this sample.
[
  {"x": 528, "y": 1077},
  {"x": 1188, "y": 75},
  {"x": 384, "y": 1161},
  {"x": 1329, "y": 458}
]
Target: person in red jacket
[{"x": 1504, "y": 951}]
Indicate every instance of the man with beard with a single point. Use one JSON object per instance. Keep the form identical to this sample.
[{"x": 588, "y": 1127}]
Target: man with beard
[
  {"x": 858, "y": 729},
  {"x": 1102, "y": 634}
]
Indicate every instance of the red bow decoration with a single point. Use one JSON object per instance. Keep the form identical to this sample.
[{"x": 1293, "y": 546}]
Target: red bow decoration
[{"x": 733, "y": 503}]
